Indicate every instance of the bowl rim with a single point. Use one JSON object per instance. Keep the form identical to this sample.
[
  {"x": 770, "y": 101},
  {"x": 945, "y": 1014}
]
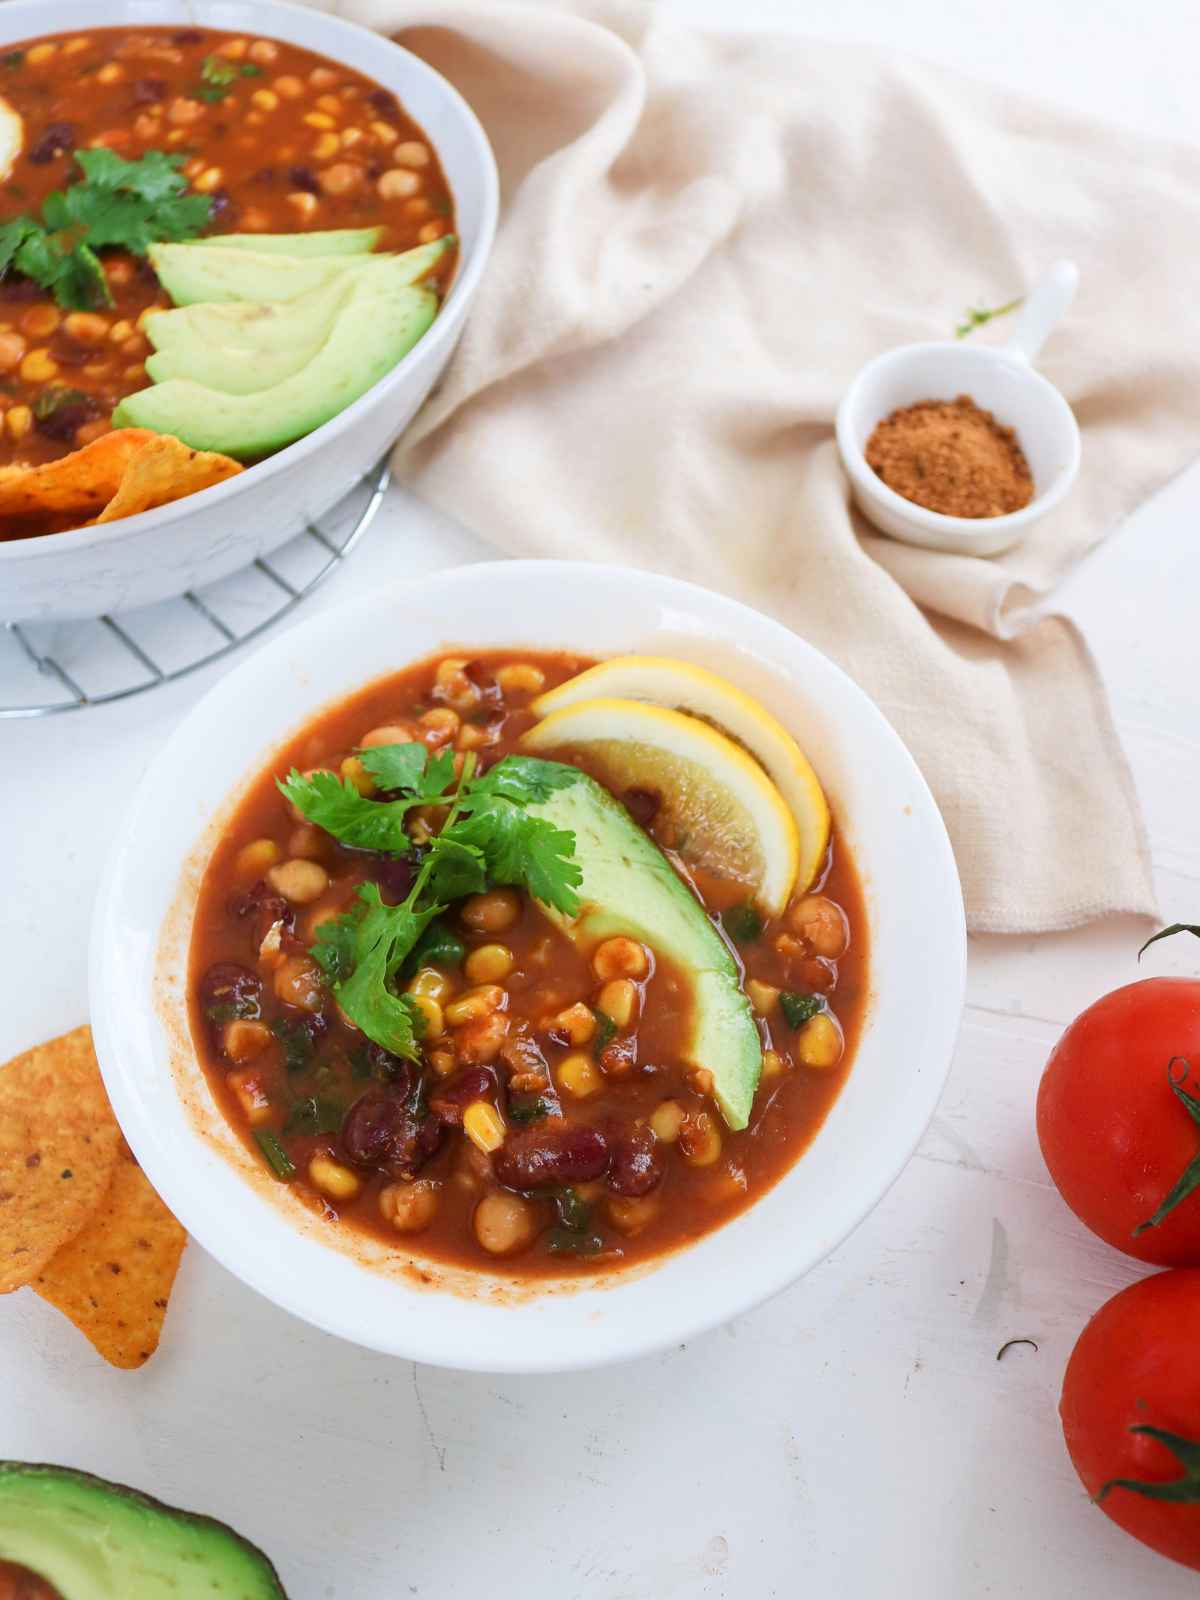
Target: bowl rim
[
  {"x": 117, "y": 1036},
  {"x": 966, "y": 529},
  {"x": 445, "y": 325}
]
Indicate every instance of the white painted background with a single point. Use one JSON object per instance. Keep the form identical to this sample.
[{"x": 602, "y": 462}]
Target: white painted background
[{"x": 854, "y": 1438}]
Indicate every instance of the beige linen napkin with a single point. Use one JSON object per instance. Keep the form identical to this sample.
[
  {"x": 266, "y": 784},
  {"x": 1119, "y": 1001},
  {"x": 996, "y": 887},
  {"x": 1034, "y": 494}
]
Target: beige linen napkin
[{"x": 703, "y": 238}]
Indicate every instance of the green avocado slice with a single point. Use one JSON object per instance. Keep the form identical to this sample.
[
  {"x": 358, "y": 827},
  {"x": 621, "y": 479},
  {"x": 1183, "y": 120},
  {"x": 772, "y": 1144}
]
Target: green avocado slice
[
  {"x": 331, "y": 242},
  {"x": 378, "y": 325},
  {"x": 629, "y": 887},
  {"x": 95, "y": 1540},
  {"x": 202, "y": 276}
]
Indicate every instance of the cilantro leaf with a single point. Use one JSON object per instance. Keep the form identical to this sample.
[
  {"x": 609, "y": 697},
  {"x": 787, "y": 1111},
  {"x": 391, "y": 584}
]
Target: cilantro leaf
[
  {"x": 454, "y": 866},
  {"x": 216, "y": 76},
  {"x": 522, "y": 850},
  {"x": 13, "y": 235},
  {"x": 335, "y": 804},
  {"x": 335, "y": 947},
  {"x": 525, "y": 779},
  {"x": 407, "y": 767},
  {"x": 383, "y": 936}
]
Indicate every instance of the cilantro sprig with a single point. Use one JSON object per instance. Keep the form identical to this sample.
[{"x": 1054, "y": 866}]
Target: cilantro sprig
[
  {"x": 488, "y": 837},
  {"x": 218, "y": 75},
  {"x": 131, "y": 204}
]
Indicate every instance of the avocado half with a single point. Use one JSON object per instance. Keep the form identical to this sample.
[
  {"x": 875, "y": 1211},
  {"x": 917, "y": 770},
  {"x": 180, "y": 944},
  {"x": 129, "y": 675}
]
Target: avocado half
[
  {"x": 95, "y": 1540},
  {"x": 629, "y": 887}
]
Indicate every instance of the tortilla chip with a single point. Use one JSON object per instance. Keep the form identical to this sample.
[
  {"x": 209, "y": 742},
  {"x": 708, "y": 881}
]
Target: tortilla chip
[
  {"x": 80, "y": 484},
  {"x": 114, "y": 1279},
  {"x": 165, "y": 469},
  {"x": 58, "y": 1149}
]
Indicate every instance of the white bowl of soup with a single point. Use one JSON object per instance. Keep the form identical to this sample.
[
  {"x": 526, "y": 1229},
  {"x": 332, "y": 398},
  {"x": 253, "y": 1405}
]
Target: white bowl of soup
[
  {"x": 215, "y": 890},
  {"x": 391, "y": 146}
]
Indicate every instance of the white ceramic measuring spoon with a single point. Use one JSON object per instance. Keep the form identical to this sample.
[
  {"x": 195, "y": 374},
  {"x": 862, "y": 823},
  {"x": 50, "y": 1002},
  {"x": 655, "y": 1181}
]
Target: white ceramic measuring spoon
[{"x": 1001, "y": 380}]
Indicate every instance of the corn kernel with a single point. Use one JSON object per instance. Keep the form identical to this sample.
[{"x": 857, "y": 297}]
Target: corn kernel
[
  {"x": 18, "y": 420},
  {"x": 431, "y": 983},
  {"x": 235, "y": 49},
  {"x": 332, "y": 1178},
  {"x": 111, "y": 72},
  {"x": 473, "y": 1005},
  {"x": 620, "y": 958},
  {"x": 351, "y": 137},
  {"x": 618, "y": 999},
  {"x": 764, "y": 997},
  {"x": 330, "y": 103},
  {"x": 244, "y": 1038},
  {"x": 120, "y": 331},
  {"x": 578, "y": 1075},
  {"x": 412, "y": 153},
  {"x": 577, "y": 1022},
  {"x": 629, "y": 1214},
  {"x": 354, "y": 772},
  {"x": 74, "y": 46},
  {"x": 327, "y": 145},
  {"x": 322, "y": 77},
  {"x": 39, "y": 322},
  {"x": 264, "y": 51},
  {"x": 484, "y": 1126},
  {"x": 666, "y": 1120},
  {"x": 398, "y": 184},
  {"x": 431, "y": 1011},
  {"x": 384, "y": 132},
  {"x": 86, "y": 326},
  {"x": 430, "y": 232},
  {"x": 443, "y": 1062},
  {"x": 38, "y": 366},
  {"x": 291, "y": 88},
  {"x": 319, "y": 119},
  {"x": 39, "y": 53},
  {"x": 208, "y": 180},
  {"x": 299, "y": 881},
  {"x": 819, "y": 1042},
  {"x": 773, "y": 1065},
  {"x": 302, "y": 202},
  {"x": 520, "y": 677},
  {"x": 256, "y": 858},
  {"x": 251, "y": 1094},
  {"x": 388, "y": 733},
  {"x": 491, "y": 963}
]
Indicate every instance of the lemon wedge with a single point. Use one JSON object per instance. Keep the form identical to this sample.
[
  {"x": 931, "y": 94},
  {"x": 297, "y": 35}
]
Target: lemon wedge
[
  {"x": 12, "y": 137},
  {"x": 717, "y": 807},
  {"x": 681, "y": 686}
]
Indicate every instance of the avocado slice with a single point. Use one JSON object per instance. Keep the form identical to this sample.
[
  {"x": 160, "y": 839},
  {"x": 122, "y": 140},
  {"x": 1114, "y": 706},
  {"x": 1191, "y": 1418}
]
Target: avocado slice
[
  {"x": 331, "y": 242},
  {"x": 378, "y": 325},
  {"x": 629, "y": 887},
  {"x": 192, "y": 276},
  {"x": 95, "y": 1540}
]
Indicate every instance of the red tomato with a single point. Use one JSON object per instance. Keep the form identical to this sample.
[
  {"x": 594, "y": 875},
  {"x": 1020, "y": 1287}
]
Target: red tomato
[
  {"x": 1115, "y": 1134},
  {"x": 1135, "y": 1367}
]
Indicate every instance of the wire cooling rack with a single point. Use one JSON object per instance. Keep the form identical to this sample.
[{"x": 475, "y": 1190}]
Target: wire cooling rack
[{"x": 94, "y": 663}]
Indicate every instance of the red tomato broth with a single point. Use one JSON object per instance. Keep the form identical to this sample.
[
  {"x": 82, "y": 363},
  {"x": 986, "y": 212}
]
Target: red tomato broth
[
  {"x": 549, "y": 975},
  {"x": 133, "y": 90}
]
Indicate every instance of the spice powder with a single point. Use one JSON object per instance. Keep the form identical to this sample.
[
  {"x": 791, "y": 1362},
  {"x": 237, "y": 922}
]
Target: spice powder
[{"x": 951, "y": 456}]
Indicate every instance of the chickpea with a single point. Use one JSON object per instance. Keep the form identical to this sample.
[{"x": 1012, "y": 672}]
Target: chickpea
[
  {"x": 472, "y": 737},
  {"x": 700, "y": 1080},
  {"x": 290, "y": 87},
  {"x": 431, "y": 983},
  {"x": 764, "y": 997},
  {"x": 475, "y": 1004},
  {"x": 248, "y": 1086},
  {"x": 351, "y": 137},
  {"x": 454, "y": 685},
  {"x": 322, "y": 78},
  {"x": 306, "y": 841},
  {"x": 319, "y": 119},
  {"x": 397, "y": 184},
  {"x": 87, "y": 431},
  {"x": 412, "y": 153},
  {"x": 618, "y": 999},
  {"x": 111, "y": 72},
  {"x": 819, "y": 1042},
  {"x": 298, "y": 983},
  {"x": 208, "y": 180},
  {"x": 38, "y": 366},
  {"x": 39, "y": 53},
  {"x": 416, "y": 210},
  {"x": 389, "y": 733},
  {"x": 39, "y": 322},
  {"x": 184, "y": 112},
  {"x": 490, "y": 963},
  {"x": 700, "y": 1140},
  {"x": 432, "y": 1014},
  {"x": 478, "y": 1042},
  {"x": 443, "y": 1062},
  {"x": 439, "y": 726},
  {"x": 298, "y": 880},
  {"x": 18, "y": 421},
  {"x": 303, "y": 203},
  {"x": 243, "y": 1039},
  {"x": 235, "y": 49},
  {"x": 341, "y": 178},
  {"x": 774, "y": 1065},
  {"x": 631, "y": 1215},
  {"x": 620, "y": 958},
  {"x": 491, "y": 912},
  {"x": 504, "y": 1223},
  {"x": 577, "y": 1022},
  {"x": 520, "y": 677},
  {"x": 666, "y": 1121},
  {"x": 263, "y": 51},
  {"x": 296, "y": 814},
  {"x": 327, "y": 145},
  {"x": 578, "y": 1075},
  {"x": 430, "y": 232},
  {"x": 12, "y": 348},
  {"x": 822, "y": 923},
  {"x": 86, "y": 327},
  {"x": 353, "y": 771}
]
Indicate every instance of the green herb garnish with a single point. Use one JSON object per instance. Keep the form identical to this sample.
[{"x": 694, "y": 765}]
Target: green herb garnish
[
  {"x": 314, "y": 1115},
  {"x": 274, "y": 1154},
  {"x": 975, "y": 316},
  {"x": 217, "y": 77},
  {"x": 743, "y": 923},
  {"x": 799, "y": 1008},
  {"x": 130, "y": 204},
  {"x": 606, "y": 1030},
  {"x": 296, "y": 1041},
  {"x": 573, "y": 1210},
  {"x": 569, "y": 1242},
  {"x": 528, "y": 1108},
  {"x": 438, "y": 946},
  {"x": 54, "y": 397},
  {"x": 12, "y": 59}
]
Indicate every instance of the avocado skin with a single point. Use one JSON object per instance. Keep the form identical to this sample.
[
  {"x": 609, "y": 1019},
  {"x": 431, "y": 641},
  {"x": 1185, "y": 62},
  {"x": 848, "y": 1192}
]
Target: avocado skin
[
  {"x": 96, "y": 1540},
  {"x": 377, "y": 326},
  {"x": 629, "y": 887}
]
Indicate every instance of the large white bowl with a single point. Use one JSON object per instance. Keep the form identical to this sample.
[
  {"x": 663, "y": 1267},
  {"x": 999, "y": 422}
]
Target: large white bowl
[
  {"x": 161, "y": 553},
  {"x": 262, "y": 1233}
]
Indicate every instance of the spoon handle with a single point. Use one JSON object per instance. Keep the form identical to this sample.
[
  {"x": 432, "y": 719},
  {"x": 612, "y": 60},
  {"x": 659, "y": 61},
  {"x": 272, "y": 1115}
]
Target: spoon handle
[{"x": 1045, "y": 305}]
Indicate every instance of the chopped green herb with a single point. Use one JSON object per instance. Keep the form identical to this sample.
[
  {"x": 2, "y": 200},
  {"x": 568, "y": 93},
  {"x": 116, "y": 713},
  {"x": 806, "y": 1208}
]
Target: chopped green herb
[
  {"x": 528, "y": 1108},
  {"x": 274, "y": 1154},
  {"x": 360, "y": 1062},
  {"x": 573, "y": 1210},
  {"x": 12, "y": 59},
  {"x": 799, "y": 1008},
  {"x": 314, "y": 1115},
  {"x": 131, "y": 204},
  {"x": 438, "y": 946},
  {"x": 250, "y": 69},
  {"x": 570, "y": 1242},
  {"x": 296, "y": 1041},
  {"x": 606, "y": 1030},
  {"x": 243, "y": 1007},
  {"x": 743, "y": 923},
  {"x": 217, "y": 75},
  {"x": 976, "y": 316},
  {"x": 54, "y": 397}
]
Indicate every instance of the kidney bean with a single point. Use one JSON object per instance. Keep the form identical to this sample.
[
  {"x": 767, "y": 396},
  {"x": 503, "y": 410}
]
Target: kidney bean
[
  {"x": 226, "y": 983},
  {"x": 390, "y": 1069},
  {"x": 384, "y": 104},
  {"x": 381, "y": 1130},
  {"x": 63, "y": 420},
  {"x": 305, "y": 179},
  {"x": 264, "y": 175},
  {"x": 56, "y": 140},
  {"x": 638, "y": 1162},
  {"x": 188, "y": 36},
  {"x": 449, "y": 1102},
  {"x": 490, "y": 696},
  {"x": 146, "y": 91},
  {"x": 69, "y": 352},
  {"x": 643, "y": 805},
  {"x": 522, "y": 1052},
  {"x": 395, "y": 877},
  {"x": 261, "y": 904},
  {"x": 550, "y": 1154},
  {"x": 222, "y": 201}
]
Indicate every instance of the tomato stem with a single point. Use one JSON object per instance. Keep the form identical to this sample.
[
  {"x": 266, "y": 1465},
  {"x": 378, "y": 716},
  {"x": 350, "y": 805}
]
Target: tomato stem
[
  {"x": 1190, "y": 1177},
  {"x": 1184, "y": 1490},
  {"x": 1167, "y": 933}
]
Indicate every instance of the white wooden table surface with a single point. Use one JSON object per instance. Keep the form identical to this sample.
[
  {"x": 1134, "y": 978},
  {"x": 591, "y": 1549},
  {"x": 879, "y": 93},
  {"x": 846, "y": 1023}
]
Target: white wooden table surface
[{"x": 856, "y": 1437}]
